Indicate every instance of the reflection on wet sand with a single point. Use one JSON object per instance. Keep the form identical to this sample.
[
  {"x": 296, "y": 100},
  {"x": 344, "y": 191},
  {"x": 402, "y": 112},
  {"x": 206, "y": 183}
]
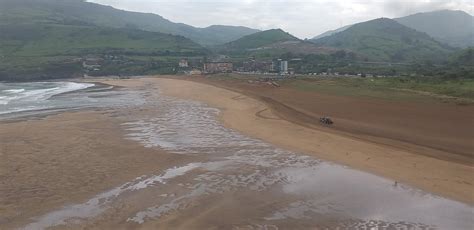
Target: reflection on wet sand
[{"x": 286, "y": 187}]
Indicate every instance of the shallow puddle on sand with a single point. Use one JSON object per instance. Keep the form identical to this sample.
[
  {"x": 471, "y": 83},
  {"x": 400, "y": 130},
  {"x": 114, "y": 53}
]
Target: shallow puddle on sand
[{"x": 306, "y": 189}]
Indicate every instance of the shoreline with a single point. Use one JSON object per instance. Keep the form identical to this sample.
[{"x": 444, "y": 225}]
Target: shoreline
[
  {"x": 36, "y": 114},
  {"x": 70, "y": 157},
  {"x": 256, "y": 119}
]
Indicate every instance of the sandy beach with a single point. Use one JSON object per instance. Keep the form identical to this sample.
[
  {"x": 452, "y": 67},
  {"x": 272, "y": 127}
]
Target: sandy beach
[
  {"x": 66, "y": 158},
  {"x": 403, "y": 164},
  {"x": 167, "y": 165}
]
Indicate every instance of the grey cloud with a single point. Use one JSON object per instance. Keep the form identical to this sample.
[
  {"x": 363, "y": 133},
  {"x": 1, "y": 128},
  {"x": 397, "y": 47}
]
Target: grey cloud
[{"x": 405, "y": 7}]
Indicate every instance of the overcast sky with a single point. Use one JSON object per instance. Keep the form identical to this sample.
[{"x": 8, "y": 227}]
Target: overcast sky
[{"x": 303, "y": 18}]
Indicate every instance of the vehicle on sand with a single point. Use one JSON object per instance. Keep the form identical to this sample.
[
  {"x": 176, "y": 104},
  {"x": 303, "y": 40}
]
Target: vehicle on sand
[{"x": 326, "y": 121}]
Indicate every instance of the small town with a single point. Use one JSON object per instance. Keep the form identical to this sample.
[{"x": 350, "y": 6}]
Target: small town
[{"x": 236, "y": 115}]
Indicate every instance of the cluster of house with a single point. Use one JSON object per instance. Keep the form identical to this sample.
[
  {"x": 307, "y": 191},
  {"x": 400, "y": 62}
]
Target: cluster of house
[
  {"x": 208, "y": 67},
  {"x": 218, "y": 67},
  {"x": 91, "y": 64},
  {"x": 94, "y": 63},
  {"x": 277, "y": 66}
]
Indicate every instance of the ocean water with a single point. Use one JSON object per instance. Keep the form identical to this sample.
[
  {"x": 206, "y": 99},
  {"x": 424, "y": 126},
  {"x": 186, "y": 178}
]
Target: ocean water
[
  {"x": 33, "y": 98},
  {"x": 301, "y": 189}
]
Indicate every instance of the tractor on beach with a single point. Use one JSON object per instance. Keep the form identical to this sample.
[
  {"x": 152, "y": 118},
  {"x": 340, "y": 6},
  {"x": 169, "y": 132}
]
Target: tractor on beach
[{"x": 326, "y": 121}]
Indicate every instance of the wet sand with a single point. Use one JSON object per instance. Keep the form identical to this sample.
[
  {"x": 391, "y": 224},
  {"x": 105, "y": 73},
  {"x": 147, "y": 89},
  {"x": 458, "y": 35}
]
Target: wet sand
[
  {"x": 64, "y": 159},
  {"x": 404, "y": 164},
  {"x": 169, "y": 164}
]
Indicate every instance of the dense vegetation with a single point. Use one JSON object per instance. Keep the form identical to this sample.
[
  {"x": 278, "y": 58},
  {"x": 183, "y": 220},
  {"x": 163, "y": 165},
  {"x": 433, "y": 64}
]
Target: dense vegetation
[
  {"x": 45, "y": 44},
  {"x": 32, "y": 51},
  {"x": 65, "y": 40},
  {"x": 386, "y": 40}
]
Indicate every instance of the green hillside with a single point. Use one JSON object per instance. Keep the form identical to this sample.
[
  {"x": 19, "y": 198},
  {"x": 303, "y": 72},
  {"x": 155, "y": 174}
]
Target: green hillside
[
  {"x": 79, "y": 12},
  {"x": 331, "y": 32},
  {"x": 455, "y": 28},
  {"x": 219, "y": 34},
  {"x": 269, "y": 43},
  {"x": 464, "y": 57},
  {"x": 260, "y": 39},
  {"x": 461, "y": 65},
  {"x": 32, "y": 51},
  {"x": 386, "y": 40},
  {"x": 29, "y": 40}
]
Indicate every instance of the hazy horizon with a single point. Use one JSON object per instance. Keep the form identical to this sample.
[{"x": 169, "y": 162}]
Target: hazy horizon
[{"x": 302, "y": 18}]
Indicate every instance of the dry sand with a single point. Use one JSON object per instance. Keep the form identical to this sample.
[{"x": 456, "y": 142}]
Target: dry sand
[
  {"x": 404, "y": 164},
  {"x": 405, "y": 119}
]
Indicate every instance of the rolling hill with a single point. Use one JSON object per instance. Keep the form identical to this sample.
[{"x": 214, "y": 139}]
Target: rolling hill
[
  {"x": 35, "y": 40},
  {"x": 387, "y": 40},
  {"x": 36, "y": 50},
  {"x": 260, "y": 39},
  {"x": 455, "y": 28},
  {"x": 331, "y": 32},
  {"x": 219, "y": 34},
  {"x": 266, "y": 43},
  {"x": 271, "y": 44},
  {"x": 80, "y": 12}
]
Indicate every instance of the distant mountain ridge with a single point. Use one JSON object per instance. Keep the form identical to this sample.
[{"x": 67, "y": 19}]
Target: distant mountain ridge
[
  {"x": 269, "y": 44},
  {"x": 87, "y": 13},
  {"x": 331, "y": 32},
  {"x": 453, "y": 27},
  {"x": 385, "y": 39},
  {"x": 261, "y": 39}
]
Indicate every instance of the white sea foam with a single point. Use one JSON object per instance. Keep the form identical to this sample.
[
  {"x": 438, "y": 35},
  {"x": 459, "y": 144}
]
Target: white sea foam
[
  {"x": 23, "y": 97},
  {"x": 63, "y": 87},
  {"x": 13, "y": 90},
  {"x": 24, "y": 109}
]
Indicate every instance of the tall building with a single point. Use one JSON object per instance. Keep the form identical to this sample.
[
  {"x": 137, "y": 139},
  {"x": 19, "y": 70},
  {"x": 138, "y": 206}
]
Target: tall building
[
  {"x": 283, "y": 67},
  {"x": 276, "y": 65},
  {"x": 280, "y": 66}
]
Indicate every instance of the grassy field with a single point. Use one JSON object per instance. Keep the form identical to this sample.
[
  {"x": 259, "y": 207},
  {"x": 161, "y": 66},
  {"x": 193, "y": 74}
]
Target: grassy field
[{"x": 460, "y": 91}]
